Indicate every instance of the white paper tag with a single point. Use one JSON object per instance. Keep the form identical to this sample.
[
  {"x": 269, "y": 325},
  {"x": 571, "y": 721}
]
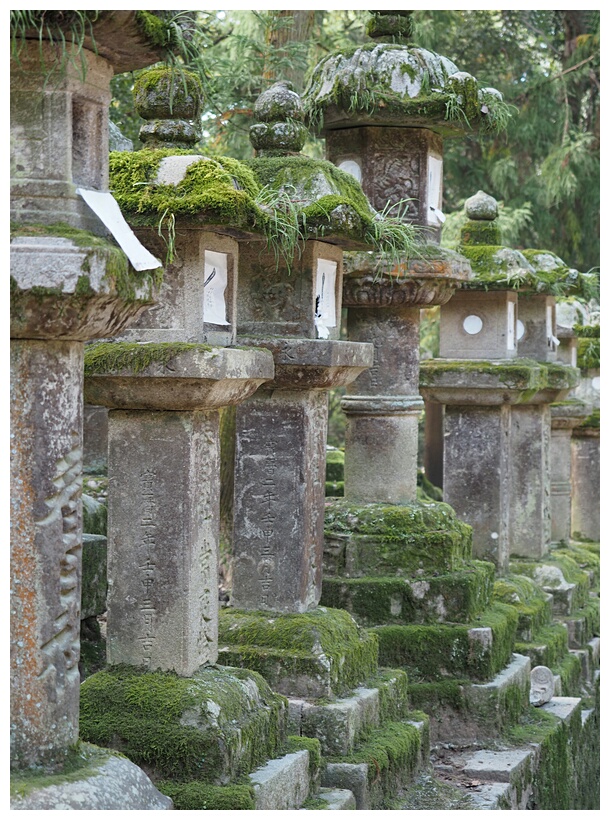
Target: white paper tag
[
  {"x": 105, "y": 206},
  {"x": 510, "y": 327},
  {"x": 325, "y": 314},
  {"x": 214, "y": 285},
  {"x": 435, "y": 177}
]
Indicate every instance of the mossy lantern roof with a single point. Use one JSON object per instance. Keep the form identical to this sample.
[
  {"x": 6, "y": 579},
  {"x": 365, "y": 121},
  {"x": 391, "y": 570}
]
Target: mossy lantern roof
[
  {"x": 393, "y": 82},
  {"x": 243, "y": 199},
  {"x": 497, "y": 267}
]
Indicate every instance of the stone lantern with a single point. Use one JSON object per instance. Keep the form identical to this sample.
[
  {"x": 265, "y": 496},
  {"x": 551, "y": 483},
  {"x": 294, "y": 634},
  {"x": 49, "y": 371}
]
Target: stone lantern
[
  {"x": 383, "y": 111},
  {"x": 497, "y": 418},
  {"x": 164, "y": 384},
  {"x": 69, "y": 283}
]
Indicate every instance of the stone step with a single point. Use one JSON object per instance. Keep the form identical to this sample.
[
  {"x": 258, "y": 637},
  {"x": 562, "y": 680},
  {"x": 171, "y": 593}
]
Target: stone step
[
  {"x": 478, "y": 650},
  {"x": 548, "y": 647},
  {"x": 584, "y": 624},
  {"x": 560, "y": 576},
  {"x": 454, "y": 597},
  {"x": 341, "y": 724},
  {"x": 531, "y": 602},
  {"x": 334, "y": 800},
  {"x": 283, "y": 783},
  {"x": 462, "y": 712},
  {"x": 322, "y": 653},
  {"x": 385, "y": 762}
]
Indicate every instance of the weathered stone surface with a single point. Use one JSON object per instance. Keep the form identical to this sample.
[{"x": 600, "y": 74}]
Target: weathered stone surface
[
  {"x": 542, "y": 685},
  {"x": 49, "y": 302},
  {"x": 59, "y": 135},
  {"x": 95, "y": 439},
  {"x": 479, "y": 325},
  {"x": 350, "y": 776},
  {"x": 190, "y": 299},
  {"x": 108, "y": 782},
  {"x": 338, "y": 799},
  {"x": 476, "y": 470},
  {"x": 586, "y": 483},
  {"x": 530, "y": 481},
  {"x": 279, "y": 500},
  {"x": 192, "y": 379},
  {"x": 163, "y": 601},
  {"x": 275, "y": 302},
  {"x": 564, "y": 417},
  {"x": 481, "y": 206},
  {"x": 484, "y": 383},
  {"x": 537, "y": 327},
  {"x": 46, "y": 541},
  {"x": 282, "y": 783},
  {"x": 303, "y": 364}
]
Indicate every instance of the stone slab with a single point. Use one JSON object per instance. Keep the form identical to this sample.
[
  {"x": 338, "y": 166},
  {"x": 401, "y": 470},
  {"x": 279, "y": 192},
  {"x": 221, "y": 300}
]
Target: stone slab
[
  {"x": 498, "y": 766},
  {"x": 352, "y": 777},
  {"x": 282, "y": 783},
  {"x": 114, "y": 784},
  {"x": 95, "y": 576},
  {"x": 563, "y": 708},
  {"x": 338, "y": 799}
]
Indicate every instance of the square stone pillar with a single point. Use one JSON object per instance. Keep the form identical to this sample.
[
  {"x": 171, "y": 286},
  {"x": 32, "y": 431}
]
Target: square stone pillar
[
  {"x": 163, "y": 539},
  {"x": 585, "y": 483},
  {"x": 530, "y": 484},
  {"x": 477, "y": 476},
  {"x": 279, "y": 500},
  {"x": 46, "y": 545},
  {"x": 565, "y": 416}
]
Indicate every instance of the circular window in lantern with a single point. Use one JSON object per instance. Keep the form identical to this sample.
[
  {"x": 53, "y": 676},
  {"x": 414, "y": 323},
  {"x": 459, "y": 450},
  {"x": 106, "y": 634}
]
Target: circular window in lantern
[
  {"x": 595, "y": 383},
  {"x": 520, "y": 329},
  {"x": 472, "y": 324},
  {"x": 350, "y": 166}
]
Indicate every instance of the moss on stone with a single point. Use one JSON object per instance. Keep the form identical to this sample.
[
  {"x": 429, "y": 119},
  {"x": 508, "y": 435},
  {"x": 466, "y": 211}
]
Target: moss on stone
[
  {"x": 547, "y": 648},
  {"x": 373, "y": 601},
  {"x": 213, "y": 726},
  {"x": 197, "y": 796},
  {"x": 134, "y": 357},
  {"x": 437, "y": 695},
  {"x": 296, "y": 743},
  {"x": 592, "y": 422},
  {"x": 516, "y": 374},
  {"x": 481, "y": 232},
  {"x": 334, "y": 489},
  {"x": 214, "y": 191},
  {"x": 587, "y": 559},
  {"x": 532, "y": 604},
  {"x": 570, "y": 570},
  {"x": 392, "y": 754},
  {"x": 561, "y": 376},
  {"x": 433, "y": 652},
  {"x": 81, "y": 761},
  {"x": 95, "y": 515},
  {"x": 323, "y": 641},
  {"x": 383, "y": 539},
  {"x": 118, "y": 272}
]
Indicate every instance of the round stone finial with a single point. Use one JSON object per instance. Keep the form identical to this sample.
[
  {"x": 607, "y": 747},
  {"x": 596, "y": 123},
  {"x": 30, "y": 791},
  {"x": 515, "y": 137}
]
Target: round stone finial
[
  {"x": 481, "y": 206},
  {"x": 280, "y": 111},
  {"x": 171, "y": 100},
  {"x": 395, "y": 25}
]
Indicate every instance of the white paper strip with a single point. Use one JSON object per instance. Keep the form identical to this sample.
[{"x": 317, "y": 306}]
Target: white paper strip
[
  {"x": 214, "y": 286},
  {"x": 105, "y": 206},
  {"x": 325, "y": 314},
  {"x": 435, "y": 177},
  {"x": 510, "y": 328}
]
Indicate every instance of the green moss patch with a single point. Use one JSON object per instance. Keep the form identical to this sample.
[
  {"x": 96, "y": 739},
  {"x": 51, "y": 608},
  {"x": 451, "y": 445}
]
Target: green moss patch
[
  {"x": 323, "y": 651},
  {"x": 518, "y": 374},
  {"x": 214, "y": 191},
  {"x": 383, "y": 539},
  {"x": 565, "y": 601},
  {"x": 393, "y": 754},
  {"x": 202, "y": 796},
  {"x": 334, "y": 489},
  {"x": 548, "y": 647},
  {"x": 133, "y": 357},
  {"x": 458, "y": 596},
  {"x": 213, "y": 726},
  {"x": 439, "y": 651},
  {"x": 532, "y": 604}
]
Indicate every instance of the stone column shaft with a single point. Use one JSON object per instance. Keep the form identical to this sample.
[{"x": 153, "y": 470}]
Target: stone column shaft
[
  {"x": 585, "y": 483},
  {"x": 383, "y": 407},
  {"x": 561, "y": 483},
  {"x": 530, "y": 485},
  {"x": 46, "y": 544},
  {"x": 279, "y": 500},
  {"x": 477, "y": 475},
  {"x": 163, "y": 602}
]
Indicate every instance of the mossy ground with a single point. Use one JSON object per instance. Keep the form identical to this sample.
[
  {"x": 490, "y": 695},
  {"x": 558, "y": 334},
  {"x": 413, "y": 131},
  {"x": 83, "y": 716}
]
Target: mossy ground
[{"x": 532, "y": 604}]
